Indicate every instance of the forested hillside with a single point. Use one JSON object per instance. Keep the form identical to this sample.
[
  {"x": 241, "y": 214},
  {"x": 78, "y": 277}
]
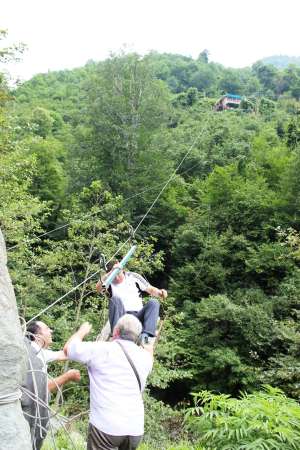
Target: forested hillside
[
  {"x": 282, "y": 61},
  {"x": 85, "y": 153}
]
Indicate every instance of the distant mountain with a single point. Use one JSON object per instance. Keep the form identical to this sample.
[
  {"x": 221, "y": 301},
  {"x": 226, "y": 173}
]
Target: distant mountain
[{"x": 282, "y": 61}]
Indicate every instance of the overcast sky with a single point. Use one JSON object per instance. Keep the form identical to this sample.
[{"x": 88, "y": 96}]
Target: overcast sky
[{"x": 63, "y": 34}]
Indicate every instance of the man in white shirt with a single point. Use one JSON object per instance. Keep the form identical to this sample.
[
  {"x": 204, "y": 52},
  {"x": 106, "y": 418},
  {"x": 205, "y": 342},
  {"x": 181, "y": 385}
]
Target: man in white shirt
[
  {"x": 37, "y": 385},
  {"x": 126, "y": 297},
  {"x": 118, "y": 371},
  {"x": 40, "y": 336}
]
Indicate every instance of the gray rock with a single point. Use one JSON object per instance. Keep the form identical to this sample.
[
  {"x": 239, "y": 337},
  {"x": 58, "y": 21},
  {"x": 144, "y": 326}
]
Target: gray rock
[{"x": 14, "y": 430}]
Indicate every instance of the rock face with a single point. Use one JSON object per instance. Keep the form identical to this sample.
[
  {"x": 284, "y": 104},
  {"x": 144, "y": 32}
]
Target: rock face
[{"x": 14, "y": 430}]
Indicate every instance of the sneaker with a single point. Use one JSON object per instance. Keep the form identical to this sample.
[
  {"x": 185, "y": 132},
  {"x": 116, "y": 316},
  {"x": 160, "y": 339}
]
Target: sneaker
[
  {"x": 151, "y": 340},
  {"x": 143, "y": 339}
]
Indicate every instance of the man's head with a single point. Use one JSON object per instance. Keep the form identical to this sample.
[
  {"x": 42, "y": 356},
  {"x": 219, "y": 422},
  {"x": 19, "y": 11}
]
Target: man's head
[
  {"x": 40, "y": 333},
  {"x": 128, "y": 327}
]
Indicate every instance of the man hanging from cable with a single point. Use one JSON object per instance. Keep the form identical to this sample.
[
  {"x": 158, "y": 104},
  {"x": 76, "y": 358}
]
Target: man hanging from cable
[{"x": 125, "y": 293}]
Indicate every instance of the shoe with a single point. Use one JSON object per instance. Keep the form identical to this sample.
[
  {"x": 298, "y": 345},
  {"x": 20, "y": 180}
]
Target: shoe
[{"x": 143, "y": 339}]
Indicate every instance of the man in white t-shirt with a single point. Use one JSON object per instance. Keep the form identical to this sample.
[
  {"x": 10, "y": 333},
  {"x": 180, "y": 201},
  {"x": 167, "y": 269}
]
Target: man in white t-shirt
[
  {"x": 117, "y": 371},
  {"x": 40, "y": 336},
  {"x": 126, "y": 297},
  {"x": 36, "y": 385}
]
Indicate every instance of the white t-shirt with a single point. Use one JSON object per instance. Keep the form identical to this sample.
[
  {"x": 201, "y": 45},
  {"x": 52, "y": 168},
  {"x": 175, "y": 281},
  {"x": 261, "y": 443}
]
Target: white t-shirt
[
  {"x": 116, "y": 402},
  {"x": 45, "y": 355},
  {"x": 128, "y": 292}
]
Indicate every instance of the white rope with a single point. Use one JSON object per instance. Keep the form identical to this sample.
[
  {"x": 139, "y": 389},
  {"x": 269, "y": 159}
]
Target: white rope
[
  {"x": 10, "y": 398},
  {"x": 151, "y": 188},
  {"x": 134, "y": 231},
  {"x": 75, "y": 287},
  {"x": 51, "y": 414},
  {"x": 171, "y": 178}
]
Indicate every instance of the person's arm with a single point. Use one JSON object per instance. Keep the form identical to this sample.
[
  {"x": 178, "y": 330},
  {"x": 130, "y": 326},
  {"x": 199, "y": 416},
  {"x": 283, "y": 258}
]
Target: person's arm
[
  {"x": 70, "y": 375},
  {"x": 51, "y": 355},
  {"x": 100, "y": 284},
  {"x": 60, "y": 356},
  {"x": 84, "y": 329},
  {"x": 160, "y": 293}
]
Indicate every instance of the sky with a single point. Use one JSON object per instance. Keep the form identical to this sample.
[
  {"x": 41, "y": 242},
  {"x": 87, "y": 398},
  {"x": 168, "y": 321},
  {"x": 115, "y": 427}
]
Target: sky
[{"x": 63, "y": 34}]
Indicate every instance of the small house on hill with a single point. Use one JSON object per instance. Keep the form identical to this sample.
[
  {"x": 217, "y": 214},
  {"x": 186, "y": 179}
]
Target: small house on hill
[{"x": 228, "y": 101}]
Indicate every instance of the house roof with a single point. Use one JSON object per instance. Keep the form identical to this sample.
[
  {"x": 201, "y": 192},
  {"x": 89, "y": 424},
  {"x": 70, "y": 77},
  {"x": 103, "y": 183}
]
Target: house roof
[{"x": 238, "y": 97}]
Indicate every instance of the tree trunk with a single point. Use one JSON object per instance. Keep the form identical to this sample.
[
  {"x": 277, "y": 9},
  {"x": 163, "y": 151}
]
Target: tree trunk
[{"x": 14, "y": 430}]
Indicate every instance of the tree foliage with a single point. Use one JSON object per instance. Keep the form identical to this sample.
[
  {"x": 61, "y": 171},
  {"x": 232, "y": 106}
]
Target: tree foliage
[
  {"x": 263, "y": 420},
  {"x": 91, "y": 153}
]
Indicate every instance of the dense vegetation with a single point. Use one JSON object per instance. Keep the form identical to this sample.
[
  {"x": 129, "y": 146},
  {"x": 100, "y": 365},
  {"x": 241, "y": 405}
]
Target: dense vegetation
[
  {"x": 282, "y": 61},
  {"x": 84, "y": 153}
]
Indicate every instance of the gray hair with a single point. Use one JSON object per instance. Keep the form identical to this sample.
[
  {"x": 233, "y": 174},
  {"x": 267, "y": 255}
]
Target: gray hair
[{"x": 129, "y": 327}]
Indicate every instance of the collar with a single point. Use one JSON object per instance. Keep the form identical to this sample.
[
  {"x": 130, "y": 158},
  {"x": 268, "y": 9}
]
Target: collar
[{"x": 36, "y": 346}]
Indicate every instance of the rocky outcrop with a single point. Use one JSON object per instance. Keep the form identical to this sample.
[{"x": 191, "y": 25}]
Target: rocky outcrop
[{"x": 14, "y": 430}]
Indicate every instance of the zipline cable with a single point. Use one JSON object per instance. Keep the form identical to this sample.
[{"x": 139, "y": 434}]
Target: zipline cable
[
  {"x": 134, "y": 231},
  {"x": 171, "y": 178},
  {"x": 76, "y": 287},
  {"x": 152, "y": 188}
]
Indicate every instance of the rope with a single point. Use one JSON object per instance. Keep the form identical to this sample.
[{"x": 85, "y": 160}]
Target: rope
[
  {"x": 52, "y": 414},
  {"x": 171, "y": 178},
  {"x": 152, "y": 188},
  {"x": 10, "y": 398},
  {"x": 75, "y": 287},
  {"x": 37, "y": 426},
  {"x": 134, "y": 231}
]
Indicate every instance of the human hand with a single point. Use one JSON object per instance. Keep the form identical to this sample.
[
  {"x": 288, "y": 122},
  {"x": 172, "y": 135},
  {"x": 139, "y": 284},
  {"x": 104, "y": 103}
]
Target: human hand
[
  {"x": 164, "y": 294},
  {"x": 117, "y": 266},
  {"x": 74, "y": 375},
  {"x": 99, "y": 287},
  {"x": 85, "y": 328}
]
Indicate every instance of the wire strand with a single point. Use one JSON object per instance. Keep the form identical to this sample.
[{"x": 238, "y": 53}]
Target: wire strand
[
  {"x": 75, "y": 287},
  {"x": 151, "y": 188},
  {"x": 171, "y": 177},
  {"x": 134, "y": 231}
]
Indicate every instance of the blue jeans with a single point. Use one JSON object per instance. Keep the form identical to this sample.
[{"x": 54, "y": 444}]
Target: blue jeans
[{"x": 148, "y": 315}]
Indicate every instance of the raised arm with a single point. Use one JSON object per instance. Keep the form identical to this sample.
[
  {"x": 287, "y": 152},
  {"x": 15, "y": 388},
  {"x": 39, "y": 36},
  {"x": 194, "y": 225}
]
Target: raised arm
[
  {"x": 51, "y": 355},
  {"x": 84, "y": 329},
  {"x": 100, "y": 284},
  {"x": 60, "y": 356}
]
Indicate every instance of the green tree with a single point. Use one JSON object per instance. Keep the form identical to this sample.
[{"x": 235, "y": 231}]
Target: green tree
[
  {"x": 20, "y": 211},
  {"x": 49, "y": 181},
  {"x": 266, "y": 74},
  {"x": 266, "y": 420},
  {"x": 293, "y": 134},
  {"x": 126, "y": 107},
  {"x": 42, "y": 122},
  {"x": 203, "y": 56}
]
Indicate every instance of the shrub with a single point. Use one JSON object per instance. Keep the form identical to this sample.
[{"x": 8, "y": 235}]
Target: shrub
[{"x": 264, "y": 420}]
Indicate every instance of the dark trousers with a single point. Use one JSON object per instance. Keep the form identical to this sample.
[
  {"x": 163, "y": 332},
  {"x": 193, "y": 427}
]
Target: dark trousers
[
  {"x": 97, "y": 440},
  {"x": 148, "y": 315}
]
